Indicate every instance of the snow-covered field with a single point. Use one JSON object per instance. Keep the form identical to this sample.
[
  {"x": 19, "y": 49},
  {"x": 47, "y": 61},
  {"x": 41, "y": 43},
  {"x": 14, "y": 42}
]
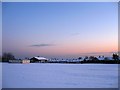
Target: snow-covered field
[
  {"x": 43, "y": 75},
  {"x": 0, "y": 75}
]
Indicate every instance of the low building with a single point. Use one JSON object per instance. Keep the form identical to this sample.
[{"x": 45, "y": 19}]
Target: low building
[
  {"x": 19, "y": 61},
  {"x": 25, "y": 61},
  {"x": 39, "y": 59},
  {"x": 15, "y": 61}
]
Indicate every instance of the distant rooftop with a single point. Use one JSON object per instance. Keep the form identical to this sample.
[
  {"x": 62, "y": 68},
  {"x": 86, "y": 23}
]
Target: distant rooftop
[{"x": 40, "y": 58}]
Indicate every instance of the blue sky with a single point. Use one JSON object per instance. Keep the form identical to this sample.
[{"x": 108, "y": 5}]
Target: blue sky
[{"x": 60, "y": 29}]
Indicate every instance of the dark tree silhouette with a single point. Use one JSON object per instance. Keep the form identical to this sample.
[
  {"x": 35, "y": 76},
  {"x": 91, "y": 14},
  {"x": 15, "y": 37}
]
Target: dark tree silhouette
[
  {"x": 106, "y": 58},
  {"x": 7, "y": 56},
  {"x": 99, "y": 56},
  {"x": 86, "y": 57},
  {"x": 91, "y": 58},
  {"x": 0, "y": 59},
  {"x": 80, "y": 58},
  {"x": 115, "y": 57}
]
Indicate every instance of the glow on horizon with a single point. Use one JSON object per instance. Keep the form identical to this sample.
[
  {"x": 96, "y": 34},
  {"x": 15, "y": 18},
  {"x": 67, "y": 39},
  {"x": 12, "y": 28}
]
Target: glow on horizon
[{"x": 59, "y": 29}]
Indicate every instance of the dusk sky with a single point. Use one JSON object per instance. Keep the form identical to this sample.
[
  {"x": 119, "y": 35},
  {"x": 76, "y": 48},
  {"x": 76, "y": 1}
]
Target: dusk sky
[{"x": 60, "y": 29}]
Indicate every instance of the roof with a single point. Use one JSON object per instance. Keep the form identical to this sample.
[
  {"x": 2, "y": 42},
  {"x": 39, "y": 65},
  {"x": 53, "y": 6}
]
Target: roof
[{"x": 41, "y": 58}]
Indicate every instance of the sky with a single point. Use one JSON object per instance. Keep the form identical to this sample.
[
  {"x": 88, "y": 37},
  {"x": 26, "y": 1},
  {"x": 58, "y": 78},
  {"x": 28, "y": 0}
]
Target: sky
[
  {"x": 64, "y": 29},
  {"x": 0, "y": 29}
]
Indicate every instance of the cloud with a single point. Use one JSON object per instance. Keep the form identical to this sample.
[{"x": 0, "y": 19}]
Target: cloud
[{"x": 41, "y": 45}]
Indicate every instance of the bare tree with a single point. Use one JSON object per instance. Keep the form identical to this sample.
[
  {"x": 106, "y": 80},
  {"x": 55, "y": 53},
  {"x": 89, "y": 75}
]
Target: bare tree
[{"x": 7, "y": 56}]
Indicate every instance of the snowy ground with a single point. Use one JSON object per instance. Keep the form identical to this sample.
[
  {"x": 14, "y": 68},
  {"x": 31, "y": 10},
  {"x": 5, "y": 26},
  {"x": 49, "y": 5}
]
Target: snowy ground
[
  {"x": 43, "y": 75},
  {"x": 0, "y": 75}
]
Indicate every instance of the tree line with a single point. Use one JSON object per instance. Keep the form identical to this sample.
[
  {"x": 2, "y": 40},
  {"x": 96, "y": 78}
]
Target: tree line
[
  {"x": 7, "y": 56},
  {"x": 91, "y": 59}
]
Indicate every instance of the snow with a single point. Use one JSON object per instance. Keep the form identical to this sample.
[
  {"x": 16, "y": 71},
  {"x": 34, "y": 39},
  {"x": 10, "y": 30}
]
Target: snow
[
  {"x": 0, "y": 75},
  {"x": 41, "y": 58},
  {"x": 46, "y": 75},
  {"x": 101, "y": 58}
]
